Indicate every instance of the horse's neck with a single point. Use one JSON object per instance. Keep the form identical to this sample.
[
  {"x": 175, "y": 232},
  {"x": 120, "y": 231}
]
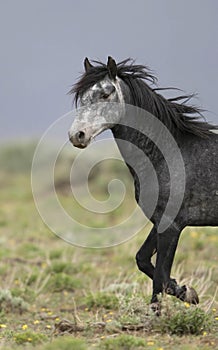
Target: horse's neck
[
  {"x": 142, "y": 161},
  {"x": 137, "y": 150}
]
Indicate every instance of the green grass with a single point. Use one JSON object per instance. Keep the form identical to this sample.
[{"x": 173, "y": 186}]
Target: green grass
[{"x": 57, "y": 296}]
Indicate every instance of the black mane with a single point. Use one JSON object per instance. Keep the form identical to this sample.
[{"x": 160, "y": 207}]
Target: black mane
[{"x": 175, "y": 113}]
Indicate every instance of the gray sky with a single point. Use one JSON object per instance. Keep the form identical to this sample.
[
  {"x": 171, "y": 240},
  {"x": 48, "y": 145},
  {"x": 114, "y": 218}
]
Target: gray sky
[{"x": 43, "y": 44}]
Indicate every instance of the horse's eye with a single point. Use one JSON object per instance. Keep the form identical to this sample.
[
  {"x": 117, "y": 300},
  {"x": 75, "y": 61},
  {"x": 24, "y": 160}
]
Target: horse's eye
[{"x": 105, "y": 96}]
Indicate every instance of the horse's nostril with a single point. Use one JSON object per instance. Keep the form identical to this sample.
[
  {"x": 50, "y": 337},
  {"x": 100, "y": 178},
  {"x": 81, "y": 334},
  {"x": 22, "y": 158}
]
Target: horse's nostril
[{"x": 80, "y": 135}]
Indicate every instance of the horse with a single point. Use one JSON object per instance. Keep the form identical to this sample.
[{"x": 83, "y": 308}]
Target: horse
[{"x": 127, "y": 83}]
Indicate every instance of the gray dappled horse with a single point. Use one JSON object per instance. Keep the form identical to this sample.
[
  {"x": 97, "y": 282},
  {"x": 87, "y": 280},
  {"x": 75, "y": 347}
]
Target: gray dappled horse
[{"x": 124, "y": 84}]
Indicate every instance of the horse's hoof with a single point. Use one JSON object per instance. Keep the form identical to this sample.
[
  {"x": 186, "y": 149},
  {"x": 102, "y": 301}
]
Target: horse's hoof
[
  {"x": 191, "y": 296},
  {"x": 156, "y": 308},
  {"x": 171, "y": 287},
  {"x": 188, "y": 295}
]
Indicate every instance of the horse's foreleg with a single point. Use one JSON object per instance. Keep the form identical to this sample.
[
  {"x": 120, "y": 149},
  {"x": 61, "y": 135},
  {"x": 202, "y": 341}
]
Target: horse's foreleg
[
  {"x": 165, "y": 244},
  {"x": 143, "y": 257},
  {"x": 166, "y": 247}
]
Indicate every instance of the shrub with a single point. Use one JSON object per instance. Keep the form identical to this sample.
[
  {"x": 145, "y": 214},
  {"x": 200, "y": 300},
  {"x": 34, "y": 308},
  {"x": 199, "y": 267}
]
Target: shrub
[
  {"x": 61, "y": 281},
  {"x": 10, "y": 303},
  {"x": 184, "y": 319},
  {"x": 29, "y": 337},
  {"x": 105, "y": 300},
  {"x": 66, "y": 343},
  {"x": 127, "y": 342}
]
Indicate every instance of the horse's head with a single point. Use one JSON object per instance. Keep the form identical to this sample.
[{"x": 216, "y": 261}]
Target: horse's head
[{"x": 101, "y": 102}]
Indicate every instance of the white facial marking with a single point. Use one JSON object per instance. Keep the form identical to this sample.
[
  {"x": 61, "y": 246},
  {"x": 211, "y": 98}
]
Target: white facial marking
[
  {"x": 117, "y": 86},
  {"x": 95, "y": 87},
  {"x": 94, "y": 117}
]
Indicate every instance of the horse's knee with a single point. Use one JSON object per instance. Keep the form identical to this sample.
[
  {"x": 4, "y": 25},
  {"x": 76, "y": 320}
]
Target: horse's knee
[
  {"x": 140, "y": 262},
  {"x": 144, "y": 265}
]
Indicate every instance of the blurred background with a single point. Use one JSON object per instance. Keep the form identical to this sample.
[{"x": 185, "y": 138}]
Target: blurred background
[
  {"x": 44, "y": 280},
  {"x": 43, "y": 44}
]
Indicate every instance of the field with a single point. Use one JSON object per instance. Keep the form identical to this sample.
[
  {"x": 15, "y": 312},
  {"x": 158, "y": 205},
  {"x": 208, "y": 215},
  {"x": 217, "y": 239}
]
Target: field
[{"x": 56, "y": 296}]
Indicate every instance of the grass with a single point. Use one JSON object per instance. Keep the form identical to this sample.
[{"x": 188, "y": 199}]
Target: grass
[{"x": 57, "y": 296}]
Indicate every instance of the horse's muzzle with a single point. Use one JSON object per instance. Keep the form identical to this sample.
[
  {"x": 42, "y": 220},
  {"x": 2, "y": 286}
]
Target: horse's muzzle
[{"x": 79, "y": 139}]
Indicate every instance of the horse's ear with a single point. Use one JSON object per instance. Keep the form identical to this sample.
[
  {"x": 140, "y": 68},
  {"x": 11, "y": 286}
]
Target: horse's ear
[
  {"x": 112, "y": 67},
  {"x": 87, "y": 64}
]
